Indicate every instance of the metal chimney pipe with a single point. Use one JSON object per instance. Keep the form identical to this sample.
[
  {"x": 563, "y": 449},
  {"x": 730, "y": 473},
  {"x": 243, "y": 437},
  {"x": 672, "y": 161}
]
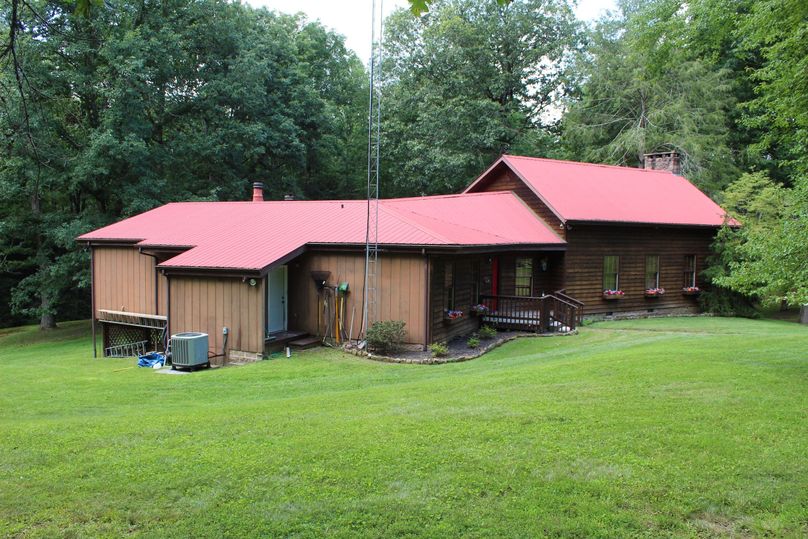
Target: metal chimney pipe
[{"x": 258, "y": 192}]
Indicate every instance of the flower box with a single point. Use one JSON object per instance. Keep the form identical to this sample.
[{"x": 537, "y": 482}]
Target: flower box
[
  {"x": 690, "y": 291},
  {"x": 451, "y": 316},
  {"x": 479, "y": 310},
  {"x": 654, "y": 292},
  {"x": 611, "y": 295}
]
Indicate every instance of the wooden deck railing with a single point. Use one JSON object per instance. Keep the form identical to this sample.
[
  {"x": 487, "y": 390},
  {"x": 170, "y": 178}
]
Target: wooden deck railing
[{"x": 541, "y": 314}]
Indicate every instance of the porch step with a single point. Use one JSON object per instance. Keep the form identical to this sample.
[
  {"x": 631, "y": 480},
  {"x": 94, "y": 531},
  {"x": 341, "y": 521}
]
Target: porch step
[{"x": 305, "y": 342}]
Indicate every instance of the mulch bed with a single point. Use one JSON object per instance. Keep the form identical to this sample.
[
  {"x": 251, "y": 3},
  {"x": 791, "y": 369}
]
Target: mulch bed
[{"x": 458, "y": 350}]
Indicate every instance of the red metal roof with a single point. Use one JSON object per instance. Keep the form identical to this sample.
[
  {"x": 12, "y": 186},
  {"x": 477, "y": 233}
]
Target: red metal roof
[
  {"x": 590, "y": 192},
  {"x": 254, "y": 235}
]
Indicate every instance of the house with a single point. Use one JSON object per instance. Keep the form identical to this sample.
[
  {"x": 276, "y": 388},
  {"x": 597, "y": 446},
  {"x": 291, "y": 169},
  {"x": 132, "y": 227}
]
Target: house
[{"x": 536, "y": 242}]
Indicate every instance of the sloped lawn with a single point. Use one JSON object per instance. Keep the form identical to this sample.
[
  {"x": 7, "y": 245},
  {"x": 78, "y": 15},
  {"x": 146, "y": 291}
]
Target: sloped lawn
[{"x": 683, "y": 427}]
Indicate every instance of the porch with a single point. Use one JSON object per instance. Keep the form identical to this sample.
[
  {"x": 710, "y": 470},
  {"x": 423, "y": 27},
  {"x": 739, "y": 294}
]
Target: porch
[{"x": 555, "y": 312}]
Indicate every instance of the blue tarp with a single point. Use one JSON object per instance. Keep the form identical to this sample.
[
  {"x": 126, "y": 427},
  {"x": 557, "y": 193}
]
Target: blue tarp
[{"x": 152, "y": 359}]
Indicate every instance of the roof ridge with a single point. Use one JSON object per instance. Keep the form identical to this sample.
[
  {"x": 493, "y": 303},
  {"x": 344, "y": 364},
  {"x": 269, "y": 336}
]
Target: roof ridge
[{"x": 603, "y": 165}]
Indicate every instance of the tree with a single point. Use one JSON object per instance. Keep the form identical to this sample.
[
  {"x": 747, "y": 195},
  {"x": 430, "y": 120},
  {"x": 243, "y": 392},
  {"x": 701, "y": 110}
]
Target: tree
[
  {"x": 467, "y": 81},
  {"x": 777, "y": 30},
  {"x": 640, "y": 94},
  {"x": 766, "y": 258}
]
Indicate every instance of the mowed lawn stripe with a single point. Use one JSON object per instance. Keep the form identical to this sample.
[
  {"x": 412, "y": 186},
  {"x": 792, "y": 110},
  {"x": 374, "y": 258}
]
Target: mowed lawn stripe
[{"x": 690, "y": 426}]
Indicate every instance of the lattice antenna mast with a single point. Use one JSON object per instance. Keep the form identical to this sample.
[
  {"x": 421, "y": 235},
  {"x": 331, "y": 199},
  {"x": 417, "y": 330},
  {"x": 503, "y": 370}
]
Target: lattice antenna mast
[{"x": 370, "y": 305}]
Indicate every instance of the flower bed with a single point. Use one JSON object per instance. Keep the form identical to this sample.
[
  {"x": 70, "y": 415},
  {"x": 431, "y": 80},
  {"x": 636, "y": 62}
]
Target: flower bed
[
  {"x": 479, "y": 309},
  {"x": 654, "y": 292}
]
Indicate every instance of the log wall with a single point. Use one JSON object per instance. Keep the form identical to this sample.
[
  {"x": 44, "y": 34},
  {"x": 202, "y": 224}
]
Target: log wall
[{"x": 588, "y": 244}]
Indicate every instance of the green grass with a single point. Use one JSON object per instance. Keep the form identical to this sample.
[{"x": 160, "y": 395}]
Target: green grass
[{"x": 663, "y": 427}]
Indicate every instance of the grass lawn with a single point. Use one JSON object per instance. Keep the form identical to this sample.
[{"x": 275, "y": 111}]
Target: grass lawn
[{"x": 672, "y": 427}]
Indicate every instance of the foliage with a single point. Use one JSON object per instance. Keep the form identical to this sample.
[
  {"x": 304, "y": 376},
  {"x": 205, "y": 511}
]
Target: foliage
[
  {"x": 473, "y": 341},
  {"x": 769, "y": 261},
  {"x": 334, "y": 442},
  {"x": 487, "y": 333},
  {"x": 386, "y": 336},
  {"x": 777, "y": 30},
  {"x": 641, "y": 94},
  {"x": 439, "y": 349},
  {"x": 466, "y": 82}
]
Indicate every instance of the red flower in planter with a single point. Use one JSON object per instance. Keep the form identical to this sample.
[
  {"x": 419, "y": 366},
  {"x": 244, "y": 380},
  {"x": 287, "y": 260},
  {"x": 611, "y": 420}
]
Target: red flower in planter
[{"x": 613, "y": 294}]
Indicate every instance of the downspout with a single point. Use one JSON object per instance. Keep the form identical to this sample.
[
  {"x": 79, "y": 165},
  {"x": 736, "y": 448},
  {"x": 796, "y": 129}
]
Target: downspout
[
  {"x": 427, "y": 305},
  {"x": 92, "y": 297},
  {"x": 156, "y": 283}
]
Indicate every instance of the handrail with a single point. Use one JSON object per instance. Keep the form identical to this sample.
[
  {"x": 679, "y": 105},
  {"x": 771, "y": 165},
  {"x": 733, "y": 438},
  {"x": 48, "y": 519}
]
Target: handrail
[{"x": 569, "y": 298}]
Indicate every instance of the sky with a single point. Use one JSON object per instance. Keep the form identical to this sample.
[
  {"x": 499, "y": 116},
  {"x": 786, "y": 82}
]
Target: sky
[{"x": 352, "y": 18}]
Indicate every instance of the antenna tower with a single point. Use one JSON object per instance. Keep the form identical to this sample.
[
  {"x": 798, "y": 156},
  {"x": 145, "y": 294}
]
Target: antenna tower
[{"x": 370, "y": 305}]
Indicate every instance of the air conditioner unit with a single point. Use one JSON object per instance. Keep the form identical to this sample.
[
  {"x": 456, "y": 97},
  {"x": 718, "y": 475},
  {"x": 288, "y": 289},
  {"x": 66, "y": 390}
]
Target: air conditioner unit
[{"x": 189, "y": 349}]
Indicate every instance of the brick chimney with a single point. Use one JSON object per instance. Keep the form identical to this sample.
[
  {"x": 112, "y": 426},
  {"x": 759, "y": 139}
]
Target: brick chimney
[
  {"x": 670, "y": 161},
  {"x": 258, "y": 192}
]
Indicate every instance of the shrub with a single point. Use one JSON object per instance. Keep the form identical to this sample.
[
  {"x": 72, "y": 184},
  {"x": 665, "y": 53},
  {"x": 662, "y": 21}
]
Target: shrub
[
  {"x": 439, "y": 349},
  {"x": 386, "y": 336},
  {"x": 487, "y": 332},
  {"x": 722, "y": 302},
  {"x": 473, "y": 342}
]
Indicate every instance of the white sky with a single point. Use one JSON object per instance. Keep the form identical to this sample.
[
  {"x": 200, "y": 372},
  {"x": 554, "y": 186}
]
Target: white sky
[{"x": 352, "y": 19}]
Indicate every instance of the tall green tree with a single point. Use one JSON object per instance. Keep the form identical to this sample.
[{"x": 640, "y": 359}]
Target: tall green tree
[
  {"x": 467, "y": 81},
  {"x": 642, "y": 92}
]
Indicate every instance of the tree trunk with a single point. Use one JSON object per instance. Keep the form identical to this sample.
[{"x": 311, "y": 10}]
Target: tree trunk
[{"x": 47, "y": 320}]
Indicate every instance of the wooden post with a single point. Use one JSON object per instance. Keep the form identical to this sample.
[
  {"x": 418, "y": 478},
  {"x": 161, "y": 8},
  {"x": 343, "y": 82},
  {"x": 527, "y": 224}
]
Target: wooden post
[{"x": 92, "y": 298}]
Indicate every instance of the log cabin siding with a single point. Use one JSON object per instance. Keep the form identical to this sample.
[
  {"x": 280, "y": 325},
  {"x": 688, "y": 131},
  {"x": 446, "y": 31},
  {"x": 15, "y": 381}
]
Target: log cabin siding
[
  {"x": 208, "y": 304},
  {"x": 401, "y": 285},
  {"x": 504, "y": 179},
  {"x": 124, "y": 280},
  {"x": 588, "y": 244}
]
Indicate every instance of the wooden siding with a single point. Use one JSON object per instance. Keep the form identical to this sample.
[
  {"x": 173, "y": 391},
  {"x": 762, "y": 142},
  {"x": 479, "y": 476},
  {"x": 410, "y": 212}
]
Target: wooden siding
[
  {"x": 503, "y": 178},
  {"x": 588, "y": 244},
  {"x": 208, "y": 304},
  {"x": 401, "y": 290},
  {"x": 125, "y": 281}
]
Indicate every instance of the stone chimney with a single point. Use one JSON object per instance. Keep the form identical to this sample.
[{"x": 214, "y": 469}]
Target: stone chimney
[
  {"x": 670, "y": 161},
  {"x": 258, "y": 192}
]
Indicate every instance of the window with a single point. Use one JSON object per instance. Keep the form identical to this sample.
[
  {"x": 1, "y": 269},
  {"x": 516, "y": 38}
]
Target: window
[
  {"x": 611, "y": 272},
  {"x": 448, "y": 287},
  {"x": 690, "y": 271},
  {"x": 524, "y": 277},
  {"x": 651, "y": 271}
]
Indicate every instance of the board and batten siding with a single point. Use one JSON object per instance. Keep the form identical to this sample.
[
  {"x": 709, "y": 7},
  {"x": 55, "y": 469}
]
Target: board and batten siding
[
  {"x": 588, "y": 244},
  {"x": 124, "y": 280},
  {"x": 401, "y": 289},
  {"x": 209, "y": 304}
]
